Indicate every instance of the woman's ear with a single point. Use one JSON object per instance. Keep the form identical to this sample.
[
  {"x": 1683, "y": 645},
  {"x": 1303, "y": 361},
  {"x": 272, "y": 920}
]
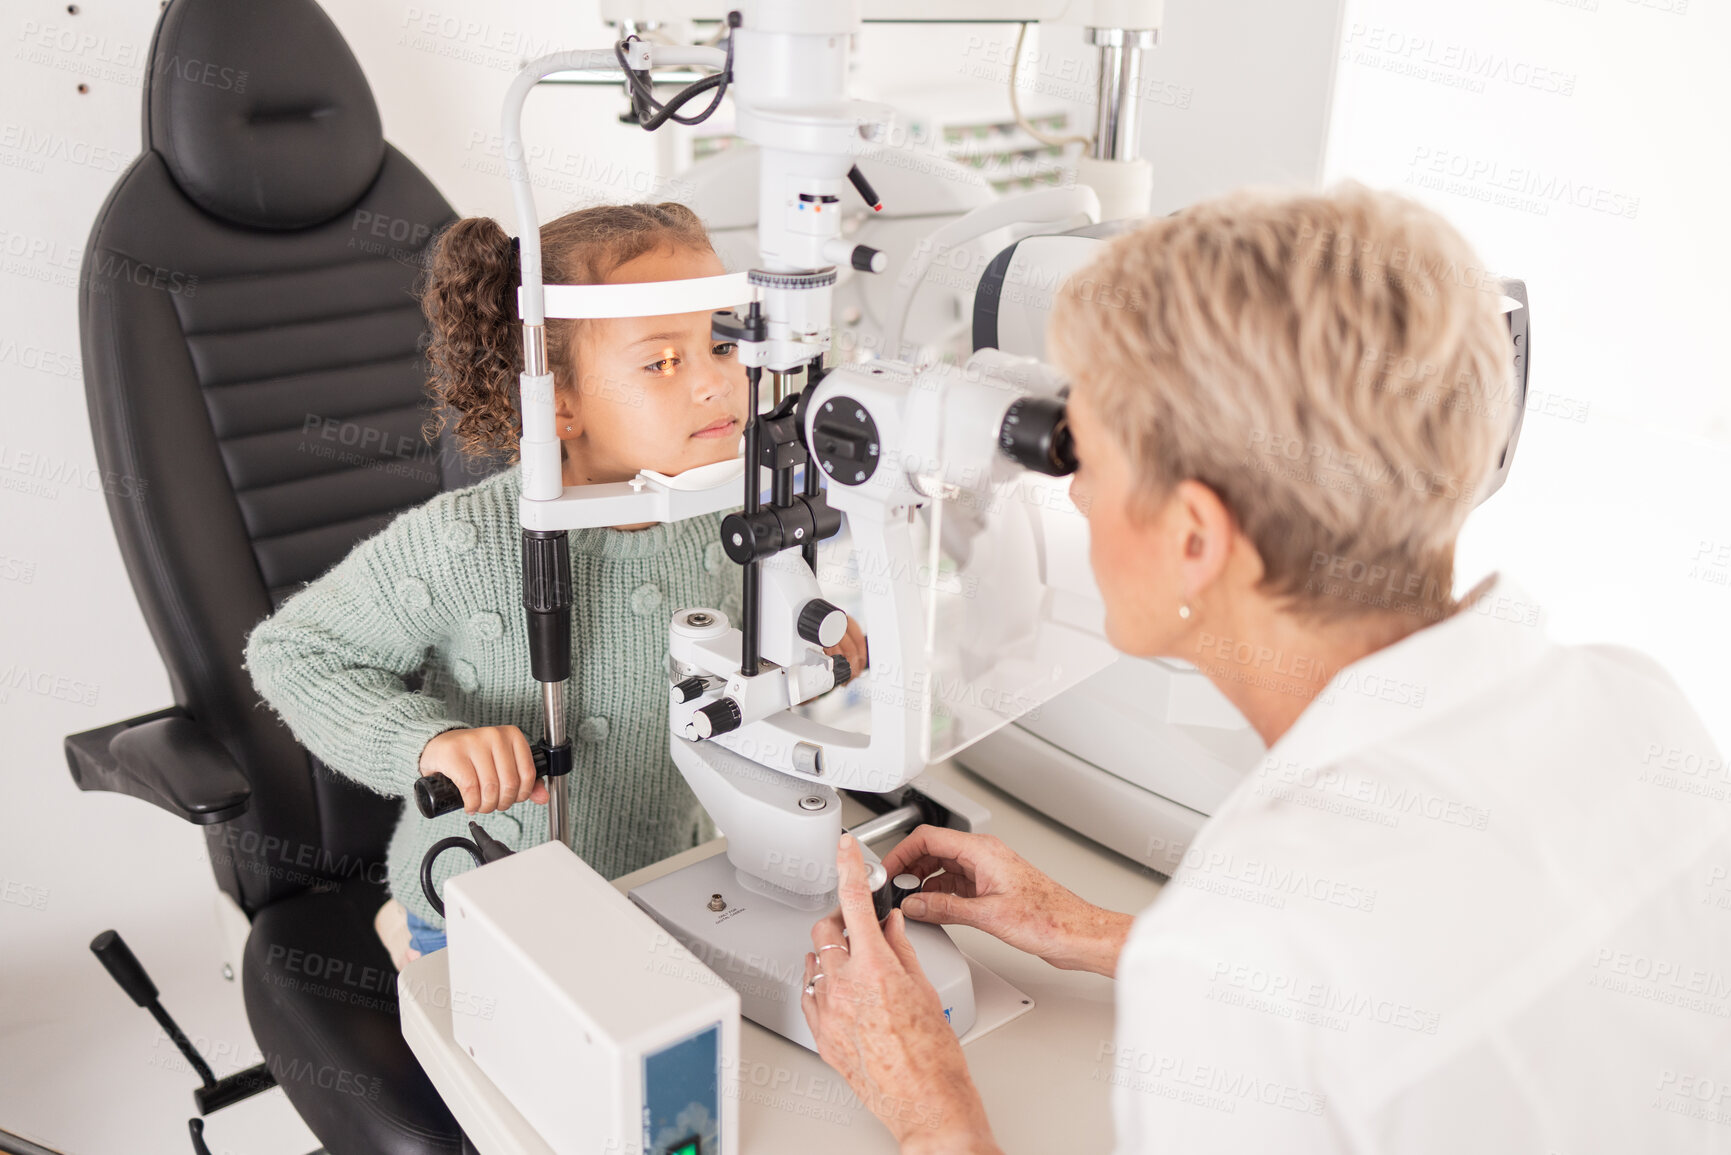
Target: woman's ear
[{"x": 1207, "y": 528}]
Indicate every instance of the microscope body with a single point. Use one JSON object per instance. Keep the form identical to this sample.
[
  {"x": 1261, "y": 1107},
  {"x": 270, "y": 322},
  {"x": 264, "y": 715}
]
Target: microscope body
[{"x": 896, "y": 443}]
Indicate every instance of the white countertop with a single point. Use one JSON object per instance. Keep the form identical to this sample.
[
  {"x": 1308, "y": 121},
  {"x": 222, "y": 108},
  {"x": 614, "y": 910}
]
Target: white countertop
[{"x": 1042, "y": 1076}]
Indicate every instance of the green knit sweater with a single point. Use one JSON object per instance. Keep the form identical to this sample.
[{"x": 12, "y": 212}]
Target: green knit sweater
[{"x": 438, "y": 592}]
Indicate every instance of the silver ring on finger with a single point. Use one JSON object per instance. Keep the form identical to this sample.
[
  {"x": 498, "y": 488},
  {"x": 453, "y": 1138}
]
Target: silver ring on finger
[
  {"x": 832, "y": 946},
  {"x": 811, "y": 987}
]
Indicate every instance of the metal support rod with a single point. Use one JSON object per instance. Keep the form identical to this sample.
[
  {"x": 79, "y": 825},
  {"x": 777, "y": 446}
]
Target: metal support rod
[
  {"x": 1116, "y": 120},
  {"x": 535, "y": 349},
  {"x": 558, "y": 786},
  {"x": 898, "y": 821},
  {"x": 749, "y": 651},
  {"x": 1107, "y": 112},
  {"x": 810, "y": 486}
]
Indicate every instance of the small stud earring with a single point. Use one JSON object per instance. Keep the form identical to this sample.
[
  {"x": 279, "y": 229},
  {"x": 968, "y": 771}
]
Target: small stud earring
[
  {"x": 568, "y": 428},
  {"x": 1184, "y": 611}
]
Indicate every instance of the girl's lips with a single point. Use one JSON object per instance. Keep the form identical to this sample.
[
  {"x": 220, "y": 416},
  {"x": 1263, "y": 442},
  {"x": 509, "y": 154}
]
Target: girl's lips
[{"x": 718, "y": 429}]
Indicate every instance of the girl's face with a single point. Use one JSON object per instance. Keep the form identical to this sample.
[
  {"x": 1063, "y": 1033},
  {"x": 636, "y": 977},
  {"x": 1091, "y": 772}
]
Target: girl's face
[{"x": 651, "y": 392}]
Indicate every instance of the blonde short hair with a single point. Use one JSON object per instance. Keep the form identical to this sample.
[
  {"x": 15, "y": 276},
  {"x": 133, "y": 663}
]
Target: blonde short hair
[{"x": 1336, "y": 367}]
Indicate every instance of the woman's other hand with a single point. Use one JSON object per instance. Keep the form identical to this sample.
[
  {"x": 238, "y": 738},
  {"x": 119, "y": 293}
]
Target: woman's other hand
[
  {"x": 852, "y": 647},
  {"x": 986, "y": 885},
  {"x": 492, "y": 766},
  {"x": 879, "y": 1021}
]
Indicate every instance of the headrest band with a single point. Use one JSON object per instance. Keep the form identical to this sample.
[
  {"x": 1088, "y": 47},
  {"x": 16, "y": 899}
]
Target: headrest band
[{"x": 644, "y": 298}]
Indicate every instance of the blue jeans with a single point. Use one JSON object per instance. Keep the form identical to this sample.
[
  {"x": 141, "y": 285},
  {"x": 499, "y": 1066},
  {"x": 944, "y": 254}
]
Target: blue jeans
[{"x": 423, "y": 935}]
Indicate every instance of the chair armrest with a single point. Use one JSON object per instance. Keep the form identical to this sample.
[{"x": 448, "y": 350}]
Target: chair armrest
[{"x": 165, "y": 758}]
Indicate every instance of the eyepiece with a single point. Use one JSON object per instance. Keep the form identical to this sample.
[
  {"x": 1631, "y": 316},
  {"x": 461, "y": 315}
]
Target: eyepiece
[{"x": 1035, "y": 434}]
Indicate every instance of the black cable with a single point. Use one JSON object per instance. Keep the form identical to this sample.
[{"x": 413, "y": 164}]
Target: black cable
[
  {"x": 670, "y": 110},
  {"x": 432, "y": 856},
  {"x": 651, "y": 113}
]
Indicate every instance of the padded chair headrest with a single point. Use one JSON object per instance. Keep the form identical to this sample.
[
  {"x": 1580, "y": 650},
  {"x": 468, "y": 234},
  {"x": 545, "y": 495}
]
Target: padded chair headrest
[{"x": 261, "y": 111}]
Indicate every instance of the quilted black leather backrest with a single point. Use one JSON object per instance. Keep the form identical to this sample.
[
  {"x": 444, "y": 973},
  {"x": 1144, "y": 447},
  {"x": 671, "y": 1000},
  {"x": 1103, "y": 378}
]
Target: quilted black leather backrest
[{"x": 251, "y": 364}]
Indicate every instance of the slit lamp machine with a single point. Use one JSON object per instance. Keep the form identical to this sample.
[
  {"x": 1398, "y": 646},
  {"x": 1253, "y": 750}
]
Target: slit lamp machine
[{"x": 613, "y": 1021}]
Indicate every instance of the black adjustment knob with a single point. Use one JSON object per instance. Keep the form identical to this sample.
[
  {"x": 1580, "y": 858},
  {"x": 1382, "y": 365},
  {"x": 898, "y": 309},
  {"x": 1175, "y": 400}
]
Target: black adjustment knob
[
  {"x": 1036, "y": 435},
  {"x": 748, "y": 536},
  {"x": 883, "y": 899},
  {"x": 903, "y": 885},
  {"x": 820, "y": 623},
  {"x": 867, "y": 259},
  {"x": 845, "y": 440},
  {"x": 841, "y": 668},
  {"x": 718, "y": 717},
  {"x": 685, "y": 691}
]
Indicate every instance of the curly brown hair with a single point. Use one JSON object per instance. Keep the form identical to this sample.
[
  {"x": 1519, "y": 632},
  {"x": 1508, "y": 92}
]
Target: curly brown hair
[{"x": 475, "y": 351}]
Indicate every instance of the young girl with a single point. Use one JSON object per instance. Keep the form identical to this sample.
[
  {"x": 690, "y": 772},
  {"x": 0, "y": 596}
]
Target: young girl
[{"x": 438, "y": 592}]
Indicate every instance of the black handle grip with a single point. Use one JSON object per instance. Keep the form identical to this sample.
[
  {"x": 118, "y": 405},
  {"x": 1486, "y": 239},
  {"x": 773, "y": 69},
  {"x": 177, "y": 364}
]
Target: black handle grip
[
  {"x": 436, "y": 794},
  {"x": 864, "y": 188},
  {"x": 114, "y": 954}
]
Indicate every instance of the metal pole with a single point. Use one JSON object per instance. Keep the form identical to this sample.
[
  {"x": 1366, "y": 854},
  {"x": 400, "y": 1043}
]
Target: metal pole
[
  {"x": 810, "y": 485},
  {"x": 898, "y": 821},
  {"x": 1118, "y": 102},
  {"x": 558, "y": 786},
  {"x": 749, "y": 663}
]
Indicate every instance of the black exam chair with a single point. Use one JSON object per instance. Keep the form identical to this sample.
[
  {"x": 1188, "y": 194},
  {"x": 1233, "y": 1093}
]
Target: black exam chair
[{"x": 256, "y": 391}]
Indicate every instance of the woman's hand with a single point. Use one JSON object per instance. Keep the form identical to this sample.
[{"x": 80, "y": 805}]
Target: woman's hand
[
  {"x": 879, "y": 1022},
  {"x": 852, "y": 647},
  {"x": 492, "y": 766},
  {"x": 987, "y": 885}
]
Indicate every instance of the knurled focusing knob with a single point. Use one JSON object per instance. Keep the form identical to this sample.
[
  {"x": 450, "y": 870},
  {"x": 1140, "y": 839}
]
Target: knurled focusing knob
[
  {"x": 821, "y": 624},
  {"x": 1035, "y": 434},
  {"x": 841, "y": 668},
  {"x": 883, "y": 898},
  {"x": 686, "y": 689},
  {"x": 718, "y": 717}
]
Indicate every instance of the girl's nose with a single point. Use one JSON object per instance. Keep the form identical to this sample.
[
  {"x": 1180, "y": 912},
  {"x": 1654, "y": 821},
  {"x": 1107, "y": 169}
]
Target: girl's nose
[{"x": 717, "y": 379}]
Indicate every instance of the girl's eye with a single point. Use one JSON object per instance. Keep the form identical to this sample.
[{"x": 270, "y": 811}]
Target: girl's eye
[
  {"x": 662, "y": 367},
  {"x": 725, "y": 349}
]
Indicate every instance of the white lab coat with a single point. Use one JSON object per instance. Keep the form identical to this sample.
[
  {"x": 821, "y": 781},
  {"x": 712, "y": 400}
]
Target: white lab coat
[{"x": 1477, "y": 899}]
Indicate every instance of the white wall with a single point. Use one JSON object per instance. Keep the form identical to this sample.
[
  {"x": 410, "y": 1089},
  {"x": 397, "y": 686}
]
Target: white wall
[{"x": 1580, "y": 145}]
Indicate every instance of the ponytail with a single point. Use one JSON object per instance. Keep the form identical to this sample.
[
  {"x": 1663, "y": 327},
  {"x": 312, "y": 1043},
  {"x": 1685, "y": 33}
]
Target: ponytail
[{"x": 474, "y": 350}]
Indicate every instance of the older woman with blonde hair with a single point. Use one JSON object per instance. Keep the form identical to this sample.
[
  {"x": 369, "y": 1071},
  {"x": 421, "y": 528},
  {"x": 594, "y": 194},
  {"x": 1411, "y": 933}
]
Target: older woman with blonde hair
[{"x": 1466, "y": 903}]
